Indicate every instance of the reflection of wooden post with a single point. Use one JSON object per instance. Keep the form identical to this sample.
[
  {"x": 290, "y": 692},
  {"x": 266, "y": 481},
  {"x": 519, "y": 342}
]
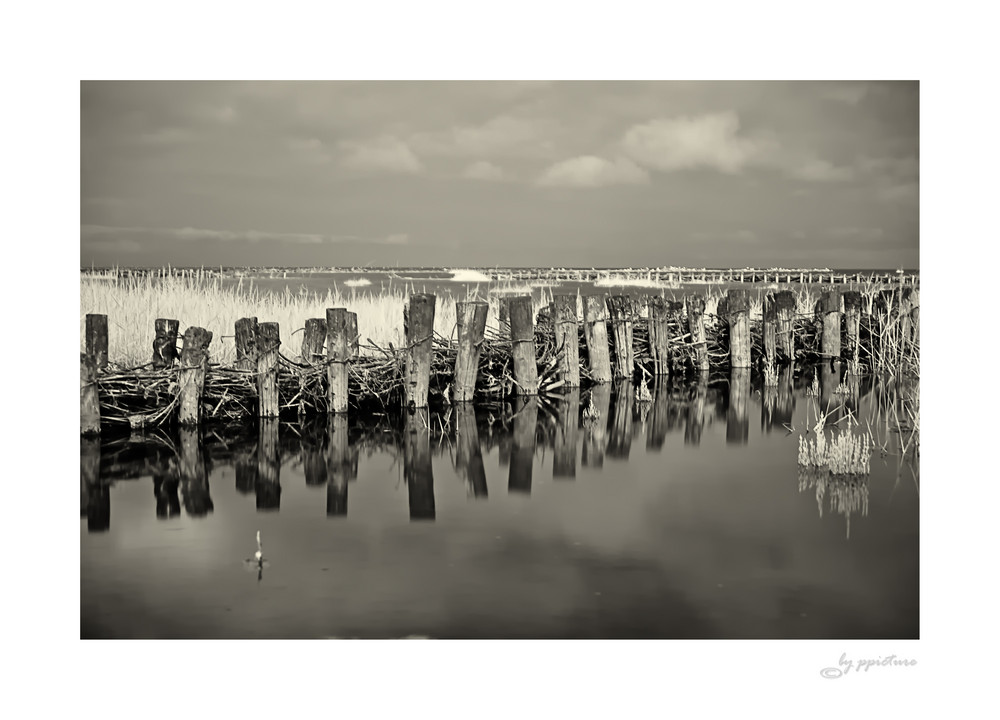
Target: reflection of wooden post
[
  {"x": 90, "y": 403},
  {"x": 656, "y": 434},
  {"x": 595, "y": 331},
  {"x": 595, "y": 438},
  {"x": 829, "y": 308},
  {"x": 338, "y": 465},
  {"x": 852, "y": 323},
  {"x": 738, "y": 415},
  {"x": 784, "y": 409},
  {"x": 97, "y": 340},
  {"x": 245, "y": 465},
  {"x": 337, "y": 350},
  {"x": 95, "y": 497},
  {"x": 522, "y": 454},
  {"x": 314, "y": 456},
  {"x": 620, "y": 441},
  {"x": 313, "y": 340},
  {"x": 417, "y": 469},
  {"x": 165, "y": 342},
  {"x": 419, "y": 338},
  {"x": 193, "y": 474},
  {"x": 564, "y": 458},
  {"x": 696, "y": 327},
  {"x": 168, "y": 505},
  {"x": 738, "y": 310},
  {"x": 191, "y": 377},
  {"x": 471, "y": 328},
  {"x": 522, "y": 338},
  {"x": 830, "y": 399},
  {"x": 659, "y": 335},
  {"x": 246, "y": 344},
  {"x": 268, "y": 486},
  {"x": 567, "y": 339},
  {"x": 620, "y": 315},
  {"x": 468, "y": 454},
  {"x": 268, "y": 341}
]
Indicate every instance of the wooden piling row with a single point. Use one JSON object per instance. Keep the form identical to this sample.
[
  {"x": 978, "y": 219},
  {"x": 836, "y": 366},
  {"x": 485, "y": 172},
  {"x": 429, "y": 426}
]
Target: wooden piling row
[
  {"x": 419, "y": 332},
  {"x": 620, "y": 312},
  {"x": 191, "y": 377},
  {"x": 828, "y": 308},
  {"x": 595, "y": 332},
  {"x": 522, "y": 338},
  {"x": 738, "y": 311},
  {"x": 337, "y": 353},
  {"x": 471, "y": 330},
  {"x": 696, "y": 329},
  {"x": 268, "y": 342},
  {"x": 567, "y": 339},
  {"x": 659, "y": 335}
]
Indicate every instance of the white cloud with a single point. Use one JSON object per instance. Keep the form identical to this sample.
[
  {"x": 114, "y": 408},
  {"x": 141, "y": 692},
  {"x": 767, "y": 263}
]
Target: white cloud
[
  {"x": 385, "y": 153},
  {"x": 593, "y": 171},
  {"x": 504, "y": 135},
  {"x": 856, "y": 233},
  {"x": 394, "y": 239},
  {"x": 484, "y": 170},
  {"x": 820, "y": 170},
  {"x": 684, "y": 143}
]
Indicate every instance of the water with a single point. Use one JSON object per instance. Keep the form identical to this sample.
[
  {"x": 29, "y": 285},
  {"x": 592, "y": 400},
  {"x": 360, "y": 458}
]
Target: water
[{"x": 687, "y": 517}]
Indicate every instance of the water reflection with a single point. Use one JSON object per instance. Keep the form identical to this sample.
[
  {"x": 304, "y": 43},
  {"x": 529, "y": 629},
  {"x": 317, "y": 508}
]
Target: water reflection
[
  {"x": 193, "y": 474},
  {"x": 568, "y": 422},
  {"x": 95, "y": 497},
  {"x": 522, "y": 453},
  {"x": 417, "y": 470},
  {"x": 778, "y": 401},
  {"x": 738, "y": 413},
  {"x": 595, "y": 426},
  {"x": 339, "y": 469},
  {"x": 468, "y": 453},
  {"x": 268, "y": 483},
  {"x": 168, "y": 505},
  {"x": 848, "y": 494},
  {"x": 620, "y": 433},
  {"x": 696, "y": 411}
]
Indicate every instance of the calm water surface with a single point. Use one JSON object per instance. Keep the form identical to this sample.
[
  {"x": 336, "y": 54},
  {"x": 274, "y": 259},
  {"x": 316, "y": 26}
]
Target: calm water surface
[{"x": 687, "y": 517}]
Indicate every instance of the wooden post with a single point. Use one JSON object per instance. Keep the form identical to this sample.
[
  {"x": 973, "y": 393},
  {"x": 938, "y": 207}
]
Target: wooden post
[
  {"x": 471, "y": 328},
  {"x": 620, "y": 314},
  {"x": 738, "y": 308},
  {"x": 522, "y": 454},
  {"x": 595, "y": 439},
  {"x": 738, "y": 415},
  {"x": 193, "y": 473},
  {"x": 90, "y": 404},
  {"x": 468, "y": 454},
  {"x": 829, "y": 308},
  {"x": 769, "y": 331},
  {"x": 268, "y": 341},
  {"x": 567, "y": 339},
  {"x": 522, "y": 337},
  {"x": 191, "y": 377},
  {"x": 97, "y": 340},
  {"x": 852, "y": 323},
  {"x": 696, "y": 327},
  {"x": 915, "y": 317},
  {"x": 419, "y": 339},
  {"x": 246, "y": 344},
  {"x": 620, "y": 434},
  {"x": 93, "y": 492},
  {"x": 338, "y": 465},
  {"x": 417, "y": 470},
  {"x": 268, "y": 486},
  {"x": 165, "y": 343},
  {"x": 595, "y": 331},
  {"x": 568, "y": 422},
  {"x": 784, "y": 309},
  {"x": 659, "y": 335},
  {"x": 313, "y": 340},
  {"x": 337, "y": 350}
]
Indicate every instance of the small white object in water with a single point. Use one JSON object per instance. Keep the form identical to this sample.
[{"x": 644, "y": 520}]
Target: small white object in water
[{"x": 258, "y": 555}]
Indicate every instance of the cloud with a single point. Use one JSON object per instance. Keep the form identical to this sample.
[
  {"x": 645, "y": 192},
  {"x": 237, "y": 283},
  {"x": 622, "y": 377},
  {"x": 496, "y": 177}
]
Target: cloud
[
  {"x": 856, "y": 233},
  {"x": 593, "y": 171},
  {"x": 385, "y": 153},
  {"x": 394, "y": 239},
  {"x": 851, "y": 94},
  {"x": 100, "y": 233},
  {"x": 742, "y": 235},
  {"x": 821, "y": 171},
  {"x": 685, "y": 143},
  {"x": 166, "y": 136},
  {"x": 483, "y": 170},
  {"x": 504, "y": 135}
]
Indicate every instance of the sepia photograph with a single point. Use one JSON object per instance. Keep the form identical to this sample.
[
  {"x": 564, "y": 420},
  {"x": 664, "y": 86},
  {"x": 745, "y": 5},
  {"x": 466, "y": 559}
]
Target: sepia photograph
[{"x": 500, "y": 360}]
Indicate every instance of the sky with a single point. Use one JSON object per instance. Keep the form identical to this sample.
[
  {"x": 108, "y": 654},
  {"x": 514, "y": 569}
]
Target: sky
[{"x": 458, "y": 174}]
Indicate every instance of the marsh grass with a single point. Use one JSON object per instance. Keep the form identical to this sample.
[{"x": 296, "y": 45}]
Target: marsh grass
[{"x": 845, "y": 452}]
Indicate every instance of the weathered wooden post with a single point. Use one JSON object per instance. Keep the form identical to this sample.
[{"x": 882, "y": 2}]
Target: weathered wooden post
[
  {"x": 696, "y": 327},
  {"x": 90, "y": 404},
  {"x": 417, "y": 470},
  {"x": 564, "y": 457},
  {"x": 620, "y": 315},
  {"x": 97, "y": 340},
  {"x": 193, "y": 473},
  {"x": 165, "y": 343},
  {"x": 829, "y": 307},
  {"x": 567, "y": 339},
  {"x": 852, "y": 323},
  {"x": 268, "y": 341},
  {"x": 738, "y": 312},
  {"x": 522, "y": 338},
  {"x": 268, "y": 486},
  {"x": 191, "y": 377},
  {"x": 246, "y": 344},
  {"x": 738, "y": 415},
  {"x": 313, "y": 340},
  {"x": 522, "y": 454},
  {"x": 784, "y": 309},
  {"x": 419, "y": 338},
  {"x": 471, "y": 329},
  {"x": 338, "y": 351},
  {"x": 659, "y": 335},
  {"x": 468, "y": 454},
  {"x": 595, "y": 330},
  {"x": 95, "y": 496},
  {"x": 769, "y": 331},
  {"x": 338, "y": 465},
  {"x": 620, "y": 436},
  {"x": 595, "y": 426}
]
